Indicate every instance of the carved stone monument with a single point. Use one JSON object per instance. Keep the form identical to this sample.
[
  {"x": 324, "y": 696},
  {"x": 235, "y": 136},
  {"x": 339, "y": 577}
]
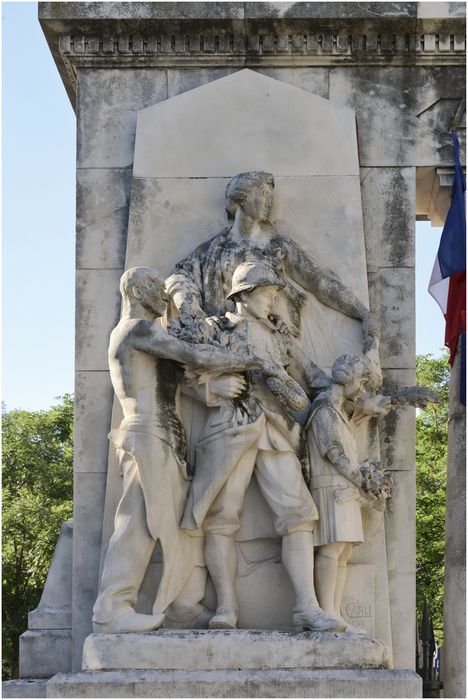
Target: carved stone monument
[{"x": 233, "y": 537}]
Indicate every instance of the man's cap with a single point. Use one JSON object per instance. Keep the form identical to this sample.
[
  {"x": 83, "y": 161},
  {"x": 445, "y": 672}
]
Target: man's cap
[{"x": 250, "y": 275}]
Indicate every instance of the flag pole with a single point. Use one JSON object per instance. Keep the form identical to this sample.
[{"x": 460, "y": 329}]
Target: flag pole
[
  {"x": 454, "y": 649},
  {"x": 453, "y": 264}
]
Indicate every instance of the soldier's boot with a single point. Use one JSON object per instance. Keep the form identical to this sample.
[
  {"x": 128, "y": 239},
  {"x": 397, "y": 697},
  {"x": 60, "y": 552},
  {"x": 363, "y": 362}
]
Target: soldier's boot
[
  {"x": 221, "y": 560},
  {"x": 298, "y": 560}
]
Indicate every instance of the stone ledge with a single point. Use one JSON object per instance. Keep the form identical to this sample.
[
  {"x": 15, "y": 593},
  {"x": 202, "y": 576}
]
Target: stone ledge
[
  {"x": 238, "y": 684},
  {"x": 251, "y": 10},
  {"x": 50, "y": 619},
  {"x": 25, "y": 688},
  {"x": 232, "y": 649}
]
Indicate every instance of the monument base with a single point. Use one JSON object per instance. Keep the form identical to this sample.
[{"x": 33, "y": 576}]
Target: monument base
[
  {"x": 235, "y": 663},
  {"x": 240, "y": 649},
  {"x": 279, "y": 683}
]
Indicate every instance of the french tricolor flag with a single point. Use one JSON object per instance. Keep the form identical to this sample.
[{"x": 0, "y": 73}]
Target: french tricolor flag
[{"x": 448, "y": 280}]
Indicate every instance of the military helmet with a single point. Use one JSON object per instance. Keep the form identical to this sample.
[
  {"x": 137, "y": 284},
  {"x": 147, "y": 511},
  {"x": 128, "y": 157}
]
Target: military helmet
[{"x": 250, "y": 275}]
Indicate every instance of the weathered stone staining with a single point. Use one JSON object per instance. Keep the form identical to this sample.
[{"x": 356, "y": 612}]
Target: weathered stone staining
[{"x": 223, "y": 89}]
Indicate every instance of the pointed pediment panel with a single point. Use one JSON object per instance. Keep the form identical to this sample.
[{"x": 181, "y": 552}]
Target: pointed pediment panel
[{"x": 245, "y": 121}]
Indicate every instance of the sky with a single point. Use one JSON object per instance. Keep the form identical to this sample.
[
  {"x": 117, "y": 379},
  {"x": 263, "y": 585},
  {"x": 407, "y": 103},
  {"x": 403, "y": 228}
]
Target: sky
[{"x": 39, "y": 224}]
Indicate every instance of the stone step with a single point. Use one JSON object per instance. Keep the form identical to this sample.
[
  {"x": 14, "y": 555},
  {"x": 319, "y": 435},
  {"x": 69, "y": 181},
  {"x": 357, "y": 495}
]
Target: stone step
[
  {"x": 232, "y": 649},
  {"x": 295, "y": 683}
]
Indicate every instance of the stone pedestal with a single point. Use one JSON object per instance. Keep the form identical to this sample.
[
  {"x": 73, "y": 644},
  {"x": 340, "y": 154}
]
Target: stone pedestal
[
  {"x": 200, "y": 650},
  {"x": 235, "y": 663},
  {"x": 45, "y": 648}
]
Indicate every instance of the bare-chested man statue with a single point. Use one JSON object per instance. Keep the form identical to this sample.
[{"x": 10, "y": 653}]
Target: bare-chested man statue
[{"x": 150, "y": 447}]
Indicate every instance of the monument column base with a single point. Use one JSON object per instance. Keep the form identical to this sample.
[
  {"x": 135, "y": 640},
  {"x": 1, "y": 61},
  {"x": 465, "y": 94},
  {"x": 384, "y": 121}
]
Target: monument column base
[{"x": 235, "y": 663}]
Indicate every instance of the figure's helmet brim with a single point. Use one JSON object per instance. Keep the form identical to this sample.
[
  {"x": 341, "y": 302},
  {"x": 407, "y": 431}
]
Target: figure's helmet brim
[{"x": 249, "y": 275}]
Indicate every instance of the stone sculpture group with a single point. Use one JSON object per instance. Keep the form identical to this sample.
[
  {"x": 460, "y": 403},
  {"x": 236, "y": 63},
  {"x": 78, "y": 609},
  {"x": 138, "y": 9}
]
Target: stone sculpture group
[{"x": 216, "y": 331}]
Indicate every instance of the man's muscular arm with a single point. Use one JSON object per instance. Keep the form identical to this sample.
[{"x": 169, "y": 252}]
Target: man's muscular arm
[
  {"x": 328, "y": 290},
  {"x": 151, "y": 338},
  {"x": 183, "y": 290},
  {"x": 186, "y": 298}
]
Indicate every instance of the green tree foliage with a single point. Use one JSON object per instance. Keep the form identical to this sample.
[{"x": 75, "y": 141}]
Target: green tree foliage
[
  {"x": 37, "y": 499},
  {"x": 431, "y": 462}
]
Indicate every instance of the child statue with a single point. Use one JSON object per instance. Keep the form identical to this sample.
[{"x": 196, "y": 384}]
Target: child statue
[{"x": 341, "y": 486}]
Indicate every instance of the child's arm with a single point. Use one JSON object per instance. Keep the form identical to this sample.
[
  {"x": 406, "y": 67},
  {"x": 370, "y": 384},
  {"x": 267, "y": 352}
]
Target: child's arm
[
  {"x": 352, "y": 472},
  {"x": 368, "y": 406},
  {"x": 345, "y": 466},
  {"x": 327, "y": 430}
]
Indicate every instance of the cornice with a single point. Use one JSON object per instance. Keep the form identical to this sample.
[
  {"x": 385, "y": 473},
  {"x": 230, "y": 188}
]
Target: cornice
[{"x": 260, "y": 41}]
